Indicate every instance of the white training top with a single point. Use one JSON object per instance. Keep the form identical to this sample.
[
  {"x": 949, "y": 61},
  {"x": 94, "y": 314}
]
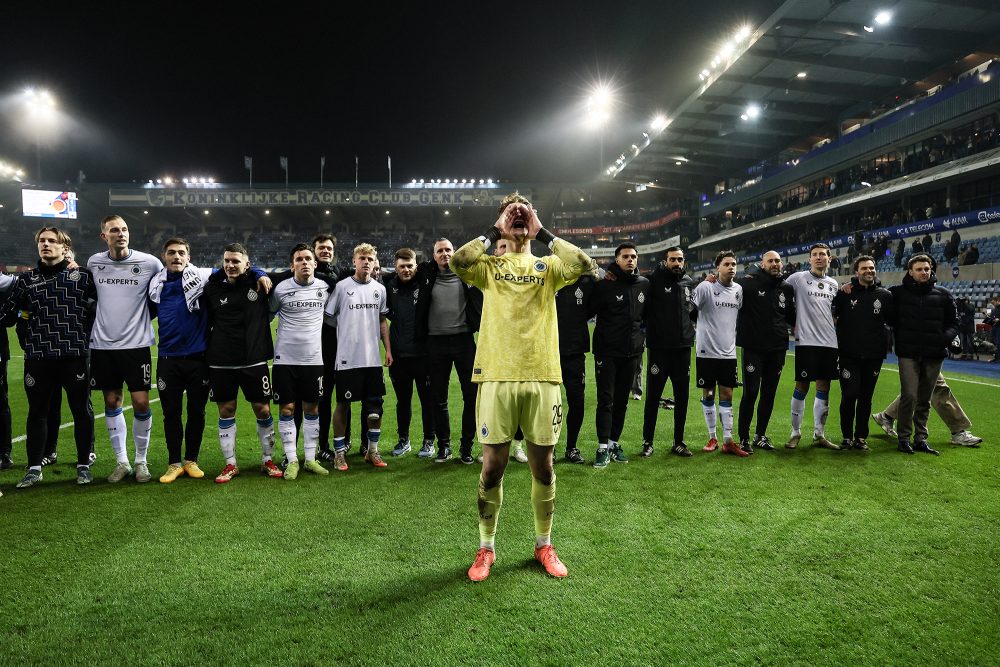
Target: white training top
[
  {"x": 123, "y": 321},
  {"x": 300, "y": 321},
  {"x": 814, "y": 309},
  {"x": 718, "y": 306},
  {"x": 355, "y": 309}
]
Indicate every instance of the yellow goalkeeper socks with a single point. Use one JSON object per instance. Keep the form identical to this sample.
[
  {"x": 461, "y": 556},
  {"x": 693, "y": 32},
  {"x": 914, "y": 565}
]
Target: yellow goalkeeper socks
[
  {"x": 543, "y": 502},
  {"x": 490, "y": 501}
]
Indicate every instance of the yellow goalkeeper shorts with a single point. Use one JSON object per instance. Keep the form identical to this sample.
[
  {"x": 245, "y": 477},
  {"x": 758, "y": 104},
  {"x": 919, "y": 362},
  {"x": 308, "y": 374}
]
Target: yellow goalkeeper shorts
[{"x": 534, "y": 406}]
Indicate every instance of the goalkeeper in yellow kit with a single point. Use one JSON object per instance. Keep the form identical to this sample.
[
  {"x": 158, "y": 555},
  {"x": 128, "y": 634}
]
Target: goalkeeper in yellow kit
[{"x": 517, "y": 365}]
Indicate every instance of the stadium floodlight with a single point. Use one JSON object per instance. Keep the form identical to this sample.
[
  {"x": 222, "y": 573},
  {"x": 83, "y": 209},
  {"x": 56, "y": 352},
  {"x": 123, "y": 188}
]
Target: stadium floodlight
[
  {"x": 753, "y": 111},
  {"x": 145, "y": 212},
  {"x": 42, "y": 117},
  {"x": 883, "y": 17},
  {"x": 327, "y": 212},
  {"x": 726, "y": 51},
  {"x": 480, "y": 181},
  {"x": 678, "y": 163},
  {"x": 801, "y": 75},
  {"x": 659, "y": 122},
  {"x": 447, "y": 212},
  {"x": 743, "y": 33},
  {"x": 211, "y": 180},
  {"x": 387, "y": 212},
  {"x": 267, "y": 211},
  {"x": 206, "y": 211},
  {"x": 185, "y": 180},
  {"x": 201, "y": 180},
  {"x": 489, "y": 181},
  {"x": 868, "y": 28},
  {"x": 159, "y": 181},
  {"x": 168, "y": 181}
]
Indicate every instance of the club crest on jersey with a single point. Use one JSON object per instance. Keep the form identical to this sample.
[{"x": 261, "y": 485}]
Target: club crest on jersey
[
  {"x": 642, "y": 297},
  {"x": 781, "y": 300},
  {"x": 347, "y": 395},
  {"x": 578, "y": 293},
  {"x": 484, "y": 431},
  {"x": 750, "y": 368},
  {"x": 319, "y": 294},
  {"x": 701, "y": 382},
  {"x": 74, "y": 275},
  {"x": 416, "y": 294},
  {"x": 28, "y": 380},
  {"x": 539, "y": 265},
  {"x": 136, "y": 270},
  {"x": 804, "y": 374},
  {"x": 877, "y": 306},
  {"x": 846, "y": 374},
  {"x": 251, "y": 295},
  {"x": 160, "y": 384},
  {"x": 654, "y": 370},
  {"x": 821, "y": 286}
]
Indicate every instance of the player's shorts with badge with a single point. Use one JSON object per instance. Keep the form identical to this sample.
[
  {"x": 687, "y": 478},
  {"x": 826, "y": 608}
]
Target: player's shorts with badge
[
  {"x": 713, "y": 372},
  {"x": 293, "y": 382},
  {"x": 110, "y": 369},
  {"x": 501, "y": 407},
  {"x": 362, "y": 384},
  {"x": 254, "y": 381},
  {"x": 815, "y": 363}
]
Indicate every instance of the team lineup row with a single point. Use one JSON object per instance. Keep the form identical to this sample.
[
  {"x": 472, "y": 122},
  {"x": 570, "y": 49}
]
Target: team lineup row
[{"x": 215, "y": 341}]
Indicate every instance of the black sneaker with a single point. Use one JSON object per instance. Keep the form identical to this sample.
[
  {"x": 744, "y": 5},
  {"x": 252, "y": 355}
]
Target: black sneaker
[
  {"x": 905, "y": 447},
  {"x": 846, "y": 444},
  {"x": 746, "y": 446},
  {"x": 573, "y": 455},
  {"x": 860, "y": 443},
  {"x": 444, "y": 454},
  {"x": 6, "y": 462},
  {"x": 83, "y": 475},
  {"x": 763, "y": 442},
  {"x": 465, "y": 455},
  {"x": 49, "y": 459},
  {"x": 647, "y": 450},
  {"x": 326, "y": 454},
  {"x": 667, "y": 403},
  {"x": 681, "y": 449},
  {"x": 363, "y": 449},
  {"x": 922, "y": 446}
]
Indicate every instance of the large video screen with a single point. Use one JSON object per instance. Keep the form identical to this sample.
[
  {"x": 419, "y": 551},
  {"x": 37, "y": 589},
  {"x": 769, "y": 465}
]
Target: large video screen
[{"x": 48, "y": 204}]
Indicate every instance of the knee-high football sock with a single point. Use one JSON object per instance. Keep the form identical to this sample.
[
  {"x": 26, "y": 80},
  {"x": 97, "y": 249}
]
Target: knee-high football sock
[{"x": 490, "y": 501}]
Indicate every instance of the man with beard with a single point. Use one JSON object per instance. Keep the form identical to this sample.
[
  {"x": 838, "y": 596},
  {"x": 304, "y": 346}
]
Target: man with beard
[
  {"x": 762, "y": 332},
  {"x": 669, "y": 337}
]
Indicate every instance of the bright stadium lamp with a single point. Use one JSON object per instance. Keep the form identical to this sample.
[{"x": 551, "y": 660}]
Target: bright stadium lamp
[
  {"x": 883, "y": 17},
  {"x": 41, "y": 118}
]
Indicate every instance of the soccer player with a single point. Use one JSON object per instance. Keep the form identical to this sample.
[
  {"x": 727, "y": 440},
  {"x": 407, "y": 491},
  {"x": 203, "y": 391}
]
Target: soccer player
[
  {"x": 718, "y": 306},
  {"x": 358, "y": 309},
  {"x": 6, "y": 287},
  {"x": 299, "y": 302},
  {"x": 239, "y": 346},
  {"x": 862, "y": 316},
  {"x": 517, "y": 366},
  {"x": 57, "y": 299},
  {"x": 669, "y": 336},
  {"x": 924, "y": 321},
  {"x": 180, "y": 365},
  {"x": 619, "y": 303},
  {"x": 816, "y": 349},
  {"x": 448, "y": 315},
  {"x": 120, "y": 342},
  {"x": 409, "y": 359},
  {"x": 762, "y": 332},
  {"x": 517, "y": 444}
]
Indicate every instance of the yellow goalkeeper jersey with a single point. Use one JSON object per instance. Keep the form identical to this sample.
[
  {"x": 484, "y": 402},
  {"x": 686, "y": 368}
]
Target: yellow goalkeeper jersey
[{"x": 519, "y": 333}]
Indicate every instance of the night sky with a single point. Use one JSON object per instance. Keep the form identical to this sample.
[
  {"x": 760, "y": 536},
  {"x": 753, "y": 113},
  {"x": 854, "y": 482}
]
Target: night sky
[{"x": 448, "y": 90}]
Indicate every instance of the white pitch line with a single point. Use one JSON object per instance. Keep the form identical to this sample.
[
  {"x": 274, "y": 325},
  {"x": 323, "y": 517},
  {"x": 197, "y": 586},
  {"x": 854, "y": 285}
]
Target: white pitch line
[
  {"x": 22, "y": 438},
  {"x": 896, "y": 370}
]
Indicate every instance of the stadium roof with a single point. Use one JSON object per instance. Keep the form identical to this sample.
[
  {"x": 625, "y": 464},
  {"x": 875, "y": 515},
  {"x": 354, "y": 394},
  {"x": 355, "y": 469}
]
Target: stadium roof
[{"x": 812, "y": 68}]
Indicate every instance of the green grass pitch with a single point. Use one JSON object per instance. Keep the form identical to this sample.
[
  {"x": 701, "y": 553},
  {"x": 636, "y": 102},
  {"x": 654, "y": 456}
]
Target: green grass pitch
[{"x": 800, "y": 557}]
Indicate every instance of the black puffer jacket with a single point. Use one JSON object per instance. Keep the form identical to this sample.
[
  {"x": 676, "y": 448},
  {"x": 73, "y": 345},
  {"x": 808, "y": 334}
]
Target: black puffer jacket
[
  {"x": 619, "y": 305},
  {"x": 768, "y": 311},
  {"x": 571, "y": 310},
  {"x": 668, "y": 312},
  {"x": 924, "y": 319}
]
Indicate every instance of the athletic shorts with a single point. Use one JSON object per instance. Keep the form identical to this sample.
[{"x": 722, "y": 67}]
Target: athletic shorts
[
  {"x": 711, "y": 372},
  {"x": 294, "y": 383},
  {"x": 362, "y": 384},
  {"x": 181, "y": 373},
  {"x": 254, "y": 381},
  {"x": 815, "y": 363},
  {"x": 110, "y": 369},
  {"x": 535, "y": 407}
]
